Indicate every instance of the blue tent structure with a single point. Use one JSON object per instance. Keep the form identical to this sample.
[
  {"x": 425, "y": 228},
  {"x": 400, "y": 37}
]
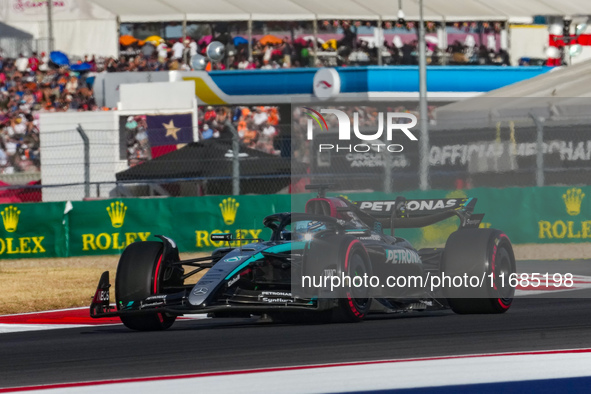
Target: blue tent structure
[
  {"x": 80, "y": 67},
  {"x": 240, "y": 40},
  {"x": 59, "y": 58}
]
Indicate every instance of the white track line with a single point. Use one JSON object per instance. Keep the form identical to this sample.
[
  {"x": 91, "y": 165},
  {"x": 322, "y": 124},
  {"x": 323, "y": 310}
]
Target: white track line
[
  {"x": 354, "y": 377},
  {"x": 49, "y": 311},
  {"x": 10, "y": 328}
]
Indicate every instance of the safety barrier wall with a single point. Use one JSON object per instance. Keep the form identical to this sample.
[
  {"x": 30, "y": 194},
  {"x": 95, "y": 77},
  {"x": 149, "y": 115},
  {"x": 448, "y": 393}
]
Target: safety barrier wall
[{"x": 527, "y": 215}]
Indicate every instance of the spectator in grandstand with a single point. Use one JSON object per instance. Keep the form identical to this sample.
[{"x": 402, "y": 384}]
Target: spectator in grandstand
[
  {"x": 505, "y": 58},
  {"x": 138, "y": 147},
  {"x": 162, "y": 49},
  {"x": 250, "y": 135},
  {"x": 286, "y": 51},
  {"x": 224, "y": 122},
  {"x": 260, "y": 116},
  {"x": 268, "y": 129},
  {"x": 72, "y": 85},
  {"x": 243, "y": 64},
  {"x": 111, "y": 65},
  {"x": 3, "y": 158},
  {"x": 22, "y": 63},
  {"x": 408, "y": 51},
  {"x": 207, "y": 132},
  {"x": 458, "y": 53},
  {"x": 44, "y": 62},
  {"x": 210, "y": 114},
  {"x": 177, "y": 49},
  {"x": 484, "y": 56},
  {"x": 193, "y": 47},
  {"x": 34, "y": 62},
  {"x": 148, "y": 50}
]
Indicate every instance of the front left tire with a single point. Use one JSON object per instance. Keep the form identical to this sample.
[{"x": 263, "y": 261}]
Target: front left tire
[{"x": 139, "y": 274}]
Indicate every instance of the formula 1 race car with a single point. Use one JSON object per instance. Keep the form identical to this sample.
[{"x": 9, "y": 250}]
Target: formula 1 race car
[{"x": 333, "y": 238}]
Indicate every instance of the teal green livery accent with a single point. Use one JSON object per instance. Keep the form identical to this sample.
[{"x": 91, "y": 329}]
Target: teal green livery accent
[{"x": 273, "y": 249}]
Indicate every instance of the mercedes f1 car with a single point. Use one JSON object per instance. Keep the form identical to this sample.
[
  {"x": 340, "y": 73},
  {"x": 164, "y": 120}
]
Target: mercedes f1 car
[{"x": 334, "y": 237}]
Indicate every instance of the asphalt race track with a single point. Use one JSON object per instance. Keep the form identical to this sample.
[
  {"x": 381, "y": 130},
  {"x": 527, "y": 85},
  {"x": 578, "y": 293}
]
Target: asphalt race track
[
  {"x": 193, "y": 346},
  {"x": 96, "y": 353}
]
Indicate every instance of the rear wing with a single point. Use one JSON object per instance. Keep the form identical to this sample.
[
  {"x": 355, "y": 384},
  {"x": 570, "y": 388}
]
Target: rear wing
[{"x": 403, "y": 213}]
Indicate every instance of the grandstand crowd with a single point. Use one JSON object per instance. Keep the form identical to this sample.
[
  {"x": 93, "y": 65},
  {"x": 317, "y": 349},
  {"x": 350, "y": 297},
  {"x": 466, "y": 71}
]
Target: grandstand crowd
[
  {"x": 29, "y": 84},
  {"x": 273, "y": 53}
]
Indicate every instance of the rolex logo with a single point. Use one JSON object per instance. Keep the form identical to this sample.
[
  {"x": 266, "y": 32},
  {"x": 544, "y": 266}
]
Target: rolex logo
[
  {"x": 572, "y": 200},
  {"x": 10, "y": 218},
  {"x": 229, "y": 207},
  {"x": 117, "y": 213}
]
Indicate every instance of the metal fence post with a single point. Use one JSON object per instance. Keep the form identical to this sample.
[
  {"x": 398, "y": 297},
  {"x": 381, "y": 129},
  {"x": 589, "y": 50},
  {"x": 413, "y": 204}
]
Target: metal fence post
[
  {"x": 315, "y": 34},
  {"x": 86, "y": 142},
  {"x": 387, "y": 170},
  {"x": 539, "y": 149},
  {"x": 50, "y": 25},
  {"x": 235, "y": 164},
  {"x": 423, "y": 106},
  {"x": 380, "y": 41}
]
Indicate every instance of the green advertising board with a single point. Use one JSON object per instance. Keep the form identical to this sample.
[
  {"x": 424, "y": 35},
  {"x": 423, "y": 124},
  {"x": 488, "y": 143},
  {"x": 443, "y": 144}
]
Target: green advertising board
[
  {"x": 33, "y": 230},
  {"x": 107, "y": 226},
  {"x": 526, "y": 215}
]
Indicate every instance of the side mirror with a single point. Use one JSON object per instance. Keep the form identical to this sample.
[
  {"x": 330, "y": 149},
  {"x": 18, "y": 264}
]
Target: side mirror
[{"x": 221, "y": 237}]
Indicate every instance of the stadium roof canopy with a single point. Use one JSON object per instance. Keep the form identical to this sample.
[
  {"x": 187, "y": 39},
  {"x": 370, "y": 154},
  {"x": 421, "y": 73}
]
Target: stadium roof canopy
[
  {"x": 519, "y": 11},
  {"x": 209, "y": 159},
  {"x": 559, "y": 94},
  {"x": 7, "y": 31}
]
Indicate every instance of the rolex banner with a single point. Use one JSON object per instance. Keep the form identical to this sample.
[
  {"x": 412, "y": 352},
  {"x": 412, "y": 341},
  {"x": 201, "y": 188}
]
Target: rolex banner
[
  {"x": 33, "y": 230},
  {"x": 527, "y": 215},
  {"x": 107, "y": 226}
]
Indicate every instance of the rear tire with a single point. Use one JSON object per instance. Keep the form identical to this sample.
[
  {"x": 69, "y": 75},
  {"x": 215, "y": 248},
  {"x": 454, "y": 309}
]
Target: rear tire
[
  {"x": 476, "y": 252},
  {"x": 338, "y": 255},
  {"x": 138, "y": 277},
  {"x": 357, "y": 302}
]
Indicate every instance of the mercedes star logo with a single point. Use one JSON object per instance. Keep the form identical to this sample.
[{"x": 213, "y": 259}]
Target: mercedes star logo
[{"x": 200, "y": 291}]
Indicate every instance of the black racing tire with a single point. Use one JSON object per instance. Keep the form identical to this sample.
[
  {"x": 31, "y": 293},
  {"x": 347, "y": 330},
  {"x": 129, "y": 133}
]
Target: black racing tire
[
  {"x": 478, "y": 252},
  {"x": 349, "y": 257},
  {"x": 139, "y": 274},
  {"x": 341, "y": 255},
  {"x": 355, "y": 307}
]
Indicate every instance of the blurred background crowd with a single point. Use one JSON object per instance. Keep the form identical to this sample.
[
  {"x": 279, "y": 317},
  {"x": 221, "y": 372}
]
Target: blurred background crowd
[
  {"x": 339, "y": 43},
  {"x": 52, "y": 82}
]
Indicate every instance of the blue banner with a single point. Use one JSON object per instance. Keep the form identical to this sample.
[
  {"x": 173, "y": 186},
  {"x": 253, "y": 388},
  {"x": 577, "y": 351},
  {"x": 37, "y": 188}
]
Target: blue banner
[{"x": 170, "y": 129}]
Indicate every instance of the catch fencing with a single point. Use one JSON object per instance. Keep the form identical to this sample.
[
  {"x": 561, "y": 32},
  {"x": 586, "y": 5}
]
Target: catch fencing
[{"x": 464, "y": 153}]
